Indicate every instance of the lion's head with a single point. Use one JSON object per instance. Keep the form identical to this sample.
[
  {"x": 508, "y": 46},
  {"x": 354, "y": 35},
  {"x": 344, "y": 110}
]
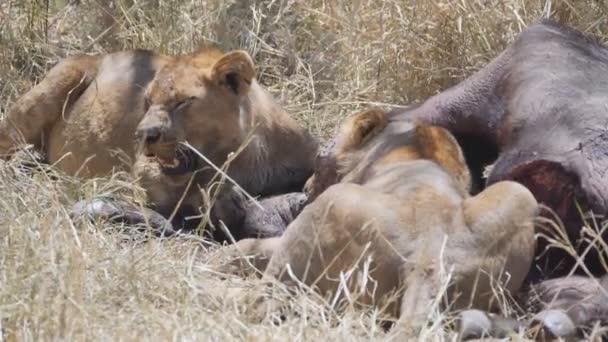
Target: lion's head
[
  {"x": 370, "y": 140},
  {"x": 201, "y": 99}
]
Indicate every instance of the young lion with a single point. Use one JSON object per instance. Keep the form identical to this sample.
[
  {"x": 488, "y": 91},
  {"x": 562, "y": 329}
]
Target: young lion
[
  {"x": 136, "y": 110},
  {"x": 401, "y": 211}
]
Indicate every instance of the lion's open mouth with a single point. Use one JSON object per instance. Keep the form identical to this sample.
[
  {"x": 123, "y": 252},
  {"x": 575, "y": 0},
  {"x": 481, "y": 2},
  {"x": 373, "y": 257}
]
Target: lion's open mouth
[{"x": 184, "y": 161}]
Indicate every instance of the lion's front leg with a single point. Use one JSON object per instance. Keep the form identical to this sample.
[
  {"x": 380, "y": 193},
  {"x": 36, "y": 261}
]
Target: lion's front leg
[
  {"x": 40, "y": 107},
  {"x": 249, "y": 253},
  {"x": 422, "y": 288}
]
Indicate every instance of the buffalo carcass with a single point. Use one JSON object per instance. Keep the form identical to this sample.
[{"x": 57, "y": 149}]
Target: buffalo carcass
[{"x": 539, "y": 113}]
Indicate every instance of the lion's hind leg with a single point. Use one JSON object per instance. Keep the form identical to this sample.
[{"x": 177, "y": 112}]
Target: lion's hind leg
[
  {"x": 40, "y": 107},
  {"x": 500, "y": 240}
]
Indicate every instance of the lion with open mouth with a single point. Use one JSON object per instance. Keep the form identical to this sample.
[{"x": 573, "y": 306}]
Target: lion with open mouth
[{"x": 174, "y": 119}]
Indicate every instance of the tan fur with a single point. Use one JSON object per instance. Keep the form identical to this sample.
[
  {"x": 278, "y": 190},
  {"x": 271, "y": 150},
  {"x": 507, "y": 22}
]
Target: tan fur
[
  {"x": 358, "y": 128},
  {"x": 85, "y": 114},
  {"x": 393, "y": 218}
]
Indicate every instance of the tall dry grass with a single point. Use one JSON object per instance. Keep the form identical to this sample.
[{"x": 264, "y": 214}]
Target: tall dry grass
[{"x": 322, "y": 58}]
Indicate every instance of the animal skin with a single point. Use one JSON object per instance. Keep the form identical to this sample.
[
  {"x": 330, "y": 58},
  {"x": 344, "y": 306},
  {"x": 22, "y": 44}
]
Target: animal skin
[
  {"x": 266, "y": 217},
  {"x": 132, "y": 110},
  {"x": 542, "y": 104},
  {"x": 400, "y": 208},
  {"x": 568, "y": 308}
]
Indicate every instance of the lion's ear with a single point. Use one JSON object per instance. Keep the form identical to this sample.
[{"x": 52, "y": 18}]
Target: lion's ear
[
  {"x": 360, "y": 128},
  {"x": 439, "y": 145},
  {"x": 235, "y": 71}
]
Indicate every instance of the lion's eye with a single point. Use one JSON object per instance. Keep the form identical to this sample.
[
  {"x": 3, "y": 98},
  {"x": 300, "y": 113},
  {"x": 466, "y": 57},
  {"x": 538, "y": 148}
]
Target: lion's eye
[{"x": 183, "y": 104}]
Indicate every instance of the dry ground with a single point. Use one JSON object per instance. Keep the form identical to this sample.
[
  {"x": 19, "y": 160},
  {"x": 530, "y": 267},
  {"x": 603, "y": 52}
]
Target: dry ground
[{"x": 322, "y": 58}]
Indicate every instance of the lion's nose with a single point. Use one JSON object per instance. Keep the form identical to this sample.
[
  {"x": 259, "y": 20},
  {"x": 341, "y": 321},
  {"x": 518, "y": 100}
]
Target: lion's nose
[{"x": 150, "y": 135}]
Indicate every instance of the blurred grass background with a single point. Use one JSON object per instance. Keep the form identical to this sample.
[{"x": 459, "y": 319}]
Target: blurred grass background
[{"x": 322, "y": 58}]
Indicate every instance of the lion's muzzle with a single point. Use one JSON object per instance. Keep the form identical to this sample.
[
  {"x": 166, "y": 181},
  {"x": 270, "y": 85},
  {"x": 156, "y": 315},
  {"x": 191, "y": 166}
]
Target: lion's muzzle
[
  {"x": 154, "y": 127},
  {"x": 158, "y": 141}
]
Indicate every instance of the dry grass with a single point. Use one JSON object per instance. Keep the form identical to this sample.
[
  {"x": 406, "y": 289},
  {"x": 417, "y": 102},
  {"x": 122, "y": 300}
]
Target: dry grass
[{"x": 322, "y": 58}]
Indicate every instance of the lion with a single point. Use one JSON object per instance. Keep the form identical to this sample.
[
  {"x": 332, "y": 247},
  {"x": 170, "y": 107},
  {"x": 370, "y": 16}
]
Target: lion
[
  {"x": 398, "y": 211},
  {"x": 168, "y": 120}
]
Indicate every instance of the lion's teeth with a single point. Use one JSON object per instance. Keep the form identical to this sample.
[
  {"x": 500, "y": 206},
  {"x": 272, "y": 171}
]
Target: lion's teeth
[{"x": 170, "y": 163}]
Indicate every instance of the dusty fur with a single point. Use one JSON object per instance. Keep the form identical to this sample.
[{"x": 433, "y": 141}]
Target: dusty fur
[
  {"x": 92, "y": 115},
  {"x": 401, "y": 222}
]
